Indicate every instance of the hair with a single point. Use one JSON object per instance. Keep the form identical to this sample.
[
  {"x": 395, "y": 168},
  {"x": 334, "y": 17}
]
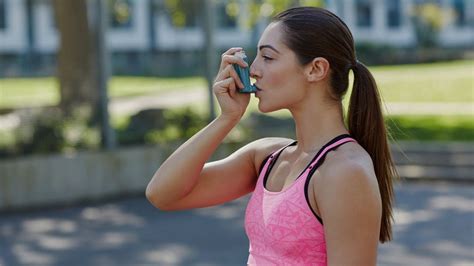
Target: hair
[{"x": 312, "y": 32}]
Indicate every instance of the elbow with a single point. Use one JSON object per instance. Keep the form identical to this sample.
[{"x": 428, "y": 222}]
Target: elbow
[{"x": 151, "y": 196}]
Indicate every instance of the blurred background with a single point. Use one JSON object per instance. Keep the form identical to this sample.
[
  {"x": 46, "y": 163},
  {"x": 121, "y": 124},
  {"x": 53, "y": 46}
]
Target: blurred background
[{"x": 95, "y": 94}]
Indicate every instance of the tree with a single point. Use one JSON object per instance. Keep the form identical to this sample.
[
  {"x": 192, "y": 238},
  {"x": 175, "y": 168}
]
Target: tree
[
  {"x": 74, "y": 57},
  {"x": 82, "y": 64}
]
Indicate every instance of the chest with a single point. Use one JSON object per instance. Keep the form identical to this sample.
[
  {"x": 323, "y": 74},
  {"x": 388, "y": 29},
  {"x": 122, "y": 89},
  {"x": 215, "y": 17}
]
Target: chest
[{"x": 284, "y": 172}]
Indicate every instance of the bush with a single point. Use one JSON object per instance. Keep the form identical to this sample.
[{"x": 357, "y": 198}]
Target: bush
[
  {"x": 382, "y": 54},
  {"x": 159, "y": 126},
  {"x": 50, "y": 132}
]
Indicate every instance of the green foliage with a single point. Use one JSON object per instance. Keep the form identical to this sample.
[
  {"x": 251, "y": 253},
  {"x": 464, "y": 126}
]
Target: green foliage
[
  {"x": 162, "y": 126},
  {"x": 180, "y": 124},
  {"x": 428, "y": 19},
  {"x": 184, "y": 13},
  {"x": 187, "y": 13},
  {"x": 50, "y": 132},
  {"x": 431, "y": 128}
]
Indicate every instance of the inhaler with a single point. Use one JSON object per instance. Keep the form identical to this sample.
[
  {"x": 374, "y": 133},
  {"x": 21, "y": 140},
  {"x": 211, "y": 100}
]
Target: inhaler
[{"x": 244, "y": 74}]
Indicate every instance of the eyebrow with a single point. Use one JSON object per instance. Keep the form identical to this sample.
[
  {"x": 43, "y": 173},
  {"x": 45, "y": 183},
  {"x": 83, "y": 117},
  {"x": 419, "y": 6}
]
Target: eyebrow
[{"x": 268, "y": 46}]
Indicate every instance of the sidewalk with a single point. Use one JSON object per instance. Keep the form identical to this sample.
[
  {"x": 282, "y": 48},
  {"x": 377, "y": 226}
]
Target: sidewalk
[{"x": 433, "y": 226}]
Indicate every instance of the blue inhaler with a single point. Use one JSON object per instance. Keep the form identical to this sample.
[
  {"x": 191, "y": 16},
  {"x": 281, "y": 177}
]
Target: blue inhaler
[{"x": 244, "y": 74}]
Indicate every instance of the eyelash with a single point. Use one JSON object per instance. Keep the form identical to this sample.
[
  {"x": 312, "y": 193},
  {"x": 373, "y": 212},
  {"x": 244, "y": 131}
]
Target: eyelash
[{"x": 266, "y": 57}]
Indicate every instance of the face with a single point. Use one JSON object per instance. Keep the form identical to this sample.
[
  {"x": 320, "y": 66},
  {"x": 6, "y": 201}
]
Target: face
[{"x": 278, "y": 74}]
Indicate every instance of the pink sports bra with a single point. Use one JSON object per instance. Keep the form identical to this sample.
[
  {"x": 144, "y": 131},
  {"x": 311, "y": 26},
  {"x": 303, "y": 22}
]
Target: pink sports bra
[{"x": 281, "y": 226}]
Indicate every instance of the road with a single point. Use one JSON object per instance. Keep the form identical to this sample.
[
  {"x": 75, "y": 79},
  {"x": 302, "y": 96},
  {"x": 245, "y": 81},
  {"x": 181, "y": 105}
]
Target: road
[{"x": 434, "y": 226}]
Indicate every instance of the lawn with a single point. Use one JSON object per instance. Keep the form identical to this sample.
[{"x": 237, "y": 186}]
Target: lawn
[
  {"x": 29, "y": 92},
  {"x": 437, "y": 82}
]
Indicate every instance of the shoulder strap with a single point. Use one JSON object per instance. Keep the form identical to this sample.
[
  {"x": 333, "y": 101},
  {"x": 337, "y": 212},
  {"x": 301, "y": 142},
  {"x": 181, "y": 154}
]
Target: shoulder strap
[
  {"x": 332, "y": 145},
  {"x": 319, "y": 159},
  {"x": 271, "y": 159}
]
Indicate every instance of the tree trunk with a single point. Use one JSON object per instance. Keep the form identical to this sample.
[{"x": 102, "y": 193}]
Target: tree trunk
[{"x": 74, "y": 74}]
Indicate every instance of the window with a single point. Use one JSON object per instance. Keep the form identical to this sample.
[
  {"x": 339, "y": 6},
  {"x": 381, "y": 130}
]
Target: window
[
  {"x": 364, "y": 13},
  {"x": 120, "y": 13},
  {"x": 459, "y": 11},
  {"x": 3, "y": 18},
  {"x": 393, "y": 13}
]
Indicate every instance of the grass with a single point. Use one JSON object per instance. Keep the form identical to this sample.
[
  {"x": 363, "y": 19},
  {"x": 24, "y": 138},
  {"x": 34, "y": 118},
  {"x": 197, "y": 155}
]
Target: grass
[
  {"x": 34, "y": 92},
  {"x": 437, "y": 82},
  {"x": 431, "y": 128}
]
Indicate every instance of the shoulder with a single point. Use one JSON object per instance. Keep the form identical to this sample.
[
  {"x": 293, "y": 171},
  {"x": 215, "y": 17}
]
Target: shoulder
[
  {"x": 348, "y": 175},
  {"x": 349, "y": 202},
  {"x": 349, "y": 163},
  {"x": 262, "y": 148}
]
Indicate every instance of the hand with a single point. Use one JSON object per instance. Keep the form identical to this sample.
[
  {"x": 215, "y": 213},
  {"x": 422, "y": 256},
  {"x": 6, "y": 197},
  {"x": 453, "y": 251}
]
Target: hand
[{"x": 232, "y": 103}]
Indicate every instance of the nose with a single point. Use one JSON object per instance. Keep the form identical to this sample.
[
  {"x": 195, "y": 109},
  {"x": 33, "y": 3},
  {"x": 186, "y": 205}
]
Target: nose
[{"x": 253, "y": 71}]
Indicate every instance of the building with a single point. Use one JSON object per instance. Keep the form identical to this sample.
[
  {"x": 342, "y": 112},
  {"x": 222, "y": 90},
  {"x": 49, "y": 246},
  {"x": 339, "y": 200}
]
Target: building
[{"x": 27, "y": 28}]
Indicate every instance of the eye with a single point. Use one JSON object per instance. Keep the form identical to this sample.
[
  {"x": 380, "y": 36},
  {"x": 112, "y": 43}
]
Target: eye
[{"x": 266, "y": 58}]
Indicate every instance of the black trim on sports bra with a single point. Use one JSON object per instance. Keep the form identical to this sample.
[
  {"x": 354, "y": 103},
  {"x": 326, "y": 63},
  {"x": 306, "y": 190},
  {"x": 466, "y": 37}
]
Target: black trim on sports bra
[
  {"x": 334, "y": 140},
  {"x": 311, "y": 172},
  {"x": 272, "y": 162},
  {"x": 263, "y": 164}
]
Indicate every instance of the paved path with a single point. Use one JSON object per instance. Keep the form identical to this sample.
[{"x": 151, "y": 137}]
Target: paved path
[{"x": 434, "y": 226}]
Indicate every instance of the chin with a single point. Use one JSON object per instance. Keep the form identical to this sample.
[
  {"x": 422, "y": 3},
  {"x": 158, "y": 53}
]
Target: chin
[{"x": 265, "y": 108}]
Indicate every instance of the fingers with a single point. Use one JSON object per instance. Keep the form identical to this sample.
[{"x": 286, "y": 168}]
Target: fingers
[
  {"x": 232, "y": 59},
  {"x": 229, "y": 57},
  {"x": 224, "y": 86},
  {"x": 230, "y": 71},
  {"x": 233, "y": 50}
]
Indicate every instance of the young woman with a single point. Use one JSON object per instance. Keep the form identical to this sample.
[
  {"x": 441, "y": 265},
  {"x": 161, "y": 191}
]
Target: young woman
[{"x": 322, "y": 199}]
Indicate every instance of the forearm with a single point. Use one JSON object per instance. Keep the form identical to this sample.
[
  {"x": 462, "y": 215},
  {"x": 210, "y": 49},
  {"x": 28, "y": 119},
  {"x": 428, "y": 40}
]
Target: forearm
[{"x": 178, "y": 174}]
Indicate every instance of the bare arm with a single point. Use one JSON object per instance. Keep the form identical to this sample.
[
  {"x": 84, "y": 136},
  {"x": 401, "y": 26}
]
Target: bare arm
[
  {"x": 179, "y": 174},
  {"x": 351, "y": 210}
]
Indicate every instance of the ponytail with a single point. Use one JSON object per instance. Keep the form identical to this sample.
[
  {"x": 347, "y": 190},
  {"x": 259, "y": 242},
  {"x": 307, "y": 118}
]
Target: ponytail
[{"x": 366, "y": 125}]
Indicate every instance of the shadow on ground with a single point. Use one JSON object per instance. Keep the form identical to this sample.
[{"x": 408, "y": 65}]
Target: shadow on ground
[{"x": 434, "y": 226}]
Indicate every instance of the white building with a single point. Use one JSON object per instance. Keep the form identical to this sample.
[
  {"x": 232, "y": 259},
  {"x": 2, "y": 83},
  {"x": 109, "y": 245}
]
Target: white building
[{"x": 28, "y": 27}]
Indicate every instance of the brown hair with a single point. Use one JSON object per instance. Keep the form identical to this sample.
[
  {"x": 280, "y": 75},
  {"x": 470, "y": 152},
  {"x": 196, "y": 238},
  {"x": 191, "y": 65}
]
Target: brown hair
[{"x": 313, "y": 32}]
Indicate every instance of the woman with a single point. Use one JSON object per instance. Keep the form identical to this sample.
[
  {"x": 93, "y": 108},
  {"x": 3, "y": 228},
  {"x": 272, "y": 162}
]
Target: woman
[{"x": 324, "y": 199}]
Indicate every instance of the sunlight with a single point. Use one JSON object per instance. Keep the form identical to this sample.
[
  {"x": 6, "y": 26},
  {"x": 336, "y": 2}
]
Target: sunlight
[
  {"x": 114, "y": 239},
  {"x": 171, "y": 253},
  {"x": 43, "y": 225},
  {"x": 27, "y": 256},
  {"x": 111, "y": 214},
  {"x": 405, "y": 218},
  {"x": 57, "y": 243},
  {"x": 457, "y": 203}
]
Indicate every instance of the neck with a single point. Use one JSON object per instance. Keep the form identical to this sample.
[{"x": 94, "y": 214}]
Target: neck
[{"x": 317, "y": 123}]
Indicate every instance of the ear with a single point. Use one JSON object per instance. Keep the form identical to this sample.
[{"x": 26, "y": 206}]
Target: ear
[{"x": 317, "y": 69}]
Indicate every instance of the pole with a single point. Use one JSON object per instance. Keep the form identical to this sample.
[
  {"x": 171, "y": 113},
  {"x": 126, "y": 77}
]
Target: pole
[
  {"x": 108, "y": 141},
  {"x": 210, "y": 51}
]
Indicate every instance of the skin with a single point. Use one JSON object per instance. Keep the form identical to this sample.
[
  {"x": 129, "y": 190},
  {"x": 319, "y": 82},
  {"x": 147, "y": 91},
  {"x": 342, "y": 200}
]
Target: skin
[{"x": 343, "y": 191}]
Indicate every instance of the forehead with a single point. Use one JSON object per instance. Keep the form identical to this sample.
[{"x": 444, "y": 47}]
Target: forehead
[{"x": 273, "y": 35}]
